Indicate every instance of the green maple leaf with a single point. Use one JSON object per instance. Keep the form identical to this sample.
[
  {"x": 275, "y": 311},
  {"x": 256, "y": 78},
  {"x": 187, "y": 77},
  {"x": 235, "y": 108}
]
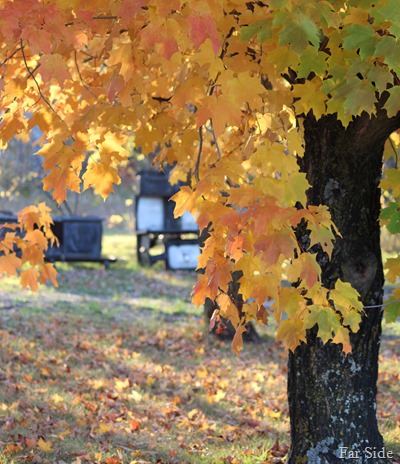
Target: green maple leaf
[
  {"x": 388, "y": 48},
  {"x": 391, "y": 11},
  {"x": 391, "y": 180},
  {"x": 326, "y": 319},
  {"x": 311, "y": 61},
  {"x": 392, "y": 106},
  {"x": 362, "y": 38},
  {"x": 392, "y": 311},
  {"x": 280, "y": 4},
  {"x": 260, "y": 28},
  {"x": 357, "y": 95},
  {"x": 391, "y": 214},
  {"x": 295, "y": 190},
  {"x": 298, "y": 31},
  {"x": 346, "y": 300},
  {"x": 380, "y": 76},
  {"x": 282, "y": 58}
]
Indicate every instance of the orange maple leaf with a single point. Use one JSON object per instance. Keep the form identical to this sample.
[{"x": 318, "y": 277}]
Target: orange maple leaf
[
  {"x": 202, "y": 27},
  {"x": 59, "y": 180},
  {"x": 48, "y": 272},
  {"x": 113, "y": 460},
  {"x": 54, "y": 67},
  {"x": 237, "y": 342},
  {"x": 29, "y": 278},
  {"x": 101, "y": 177},
  {"x": 10, "y": 264}
]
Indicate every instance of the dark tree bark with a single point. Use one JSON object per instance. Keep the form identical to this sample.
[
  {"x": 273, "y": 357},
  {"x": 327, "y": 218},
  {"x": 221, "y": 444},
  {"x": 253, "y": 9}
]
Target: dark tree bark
[
  {"x": 332, "y": 397},
  {"x": 225, "y": 330}
]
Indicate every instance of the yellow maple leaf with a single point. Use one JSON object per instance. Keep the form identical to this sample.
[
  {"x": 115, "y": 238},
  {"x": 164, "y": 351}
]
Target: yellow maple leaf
[
  {"x": 112, "y": 148},
  {"x": 101, "y": 177},
  {"x": 392, "y": 266},
  {"x": 103, "y": 428},
  {"x": 122, "y": 384},
  {"x": 221, "y": 110},
  {"x": 29, "y": 217},
  {"x": 150, "y": 380},
  {"x": 202, "y": 373},
  {"x": 57, "y": 398},
  {"x": 311, "y": 97},
  {"x": 45, "y": 446},
  {"x": 342, "y": 336},
  {"x": 185, "y": 200},
  {"x": 32, "y": 254},
  {"x": 291, "y": 332}
]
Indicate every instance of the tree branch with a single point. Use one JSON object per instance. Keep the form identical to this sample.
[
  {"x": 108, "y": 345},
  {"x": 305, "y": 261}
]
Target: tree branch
[
  {"x": 211, "y": 130},
  {"x": 9, "y": 57},
  {"x": 395, "y": 153},
  {"x": 197, "y": 168},
  {"x": 80, "y": 76},
  {"x": 105, "y": 17},
  {"x": 36, "y": 82}
]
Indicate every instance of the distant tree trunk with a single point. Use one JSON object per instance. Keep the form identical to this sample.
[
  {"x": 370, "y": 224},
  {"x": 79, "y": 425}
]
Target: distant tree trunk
[
  {"x": 228, "y": 331},
  {"x": 332, "y": 397},
  {"x": 225, "y": 330}
]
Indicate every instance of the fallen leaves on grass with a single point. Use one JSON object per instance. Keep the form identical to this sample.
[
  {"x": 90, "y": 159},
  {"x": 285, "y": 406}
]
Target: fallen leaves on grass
[
  {"x": 92, "y": 390},
  {"x": 96, "y": 378}
]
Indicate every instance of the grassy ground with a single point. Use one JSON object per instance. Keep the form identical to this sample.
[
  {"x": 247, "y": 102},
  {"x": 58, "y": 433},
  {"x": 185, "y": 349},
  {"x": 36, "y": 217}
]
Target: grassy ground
[{"x": 115, "y": 367}]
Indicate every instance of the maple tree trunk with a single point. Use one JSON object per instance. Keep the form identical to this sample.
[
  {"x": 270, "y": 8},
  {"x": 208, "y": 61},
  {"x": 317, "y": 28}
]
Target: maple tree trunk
[{"x": 332, "y": 397}]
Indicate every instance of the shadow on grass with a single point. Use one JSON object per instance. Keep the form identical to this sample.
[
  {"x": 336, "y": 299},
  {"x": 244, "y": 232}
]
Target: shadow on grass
[{"x": 77, "y": 382}]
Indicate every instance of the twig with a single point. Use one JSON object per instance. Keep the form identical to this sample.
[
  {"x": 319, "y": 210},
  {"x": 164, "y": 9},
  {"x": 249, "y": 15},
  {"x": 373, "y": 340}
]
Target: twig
[
  {"x": 383, "y": 304},
  {"x": 105, "y": 17},
  {"x": 36, "y": 82},
  {"x": 8, "y": 226},
  {"x": 395, "y": 153},
  {"x": 211, "y": 130},
  {"x": 197, "y": 167},
  {"x": 80, "y": 75},
  {"x": 9, "y": 57},
  {"x": 60, "y": 206}
]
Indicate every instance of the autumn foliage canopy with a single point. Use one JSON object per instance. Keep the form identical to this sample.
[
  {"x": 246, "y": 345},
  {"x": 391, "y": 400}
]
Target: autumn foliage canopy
[{"x": 220, "y": 87}]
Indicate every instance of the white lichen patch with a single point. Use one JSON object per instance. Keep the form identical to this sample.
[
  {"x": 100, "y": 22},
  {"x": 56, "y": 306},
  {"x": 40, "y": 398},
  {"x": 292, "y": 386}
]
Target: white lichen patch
[{"x": 322, "y": 447}]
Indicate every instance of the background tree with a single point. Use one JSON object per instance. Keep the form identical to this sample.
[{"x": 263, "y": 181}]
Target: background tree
[
  {"x": 20, "y": 171},
  {"x": 278, "y": 112}
]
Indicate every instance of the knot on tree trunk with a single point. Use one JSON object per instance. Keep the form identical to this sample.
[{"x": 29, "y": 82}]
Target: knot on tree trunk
[{"x": 359, "y": 266}]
